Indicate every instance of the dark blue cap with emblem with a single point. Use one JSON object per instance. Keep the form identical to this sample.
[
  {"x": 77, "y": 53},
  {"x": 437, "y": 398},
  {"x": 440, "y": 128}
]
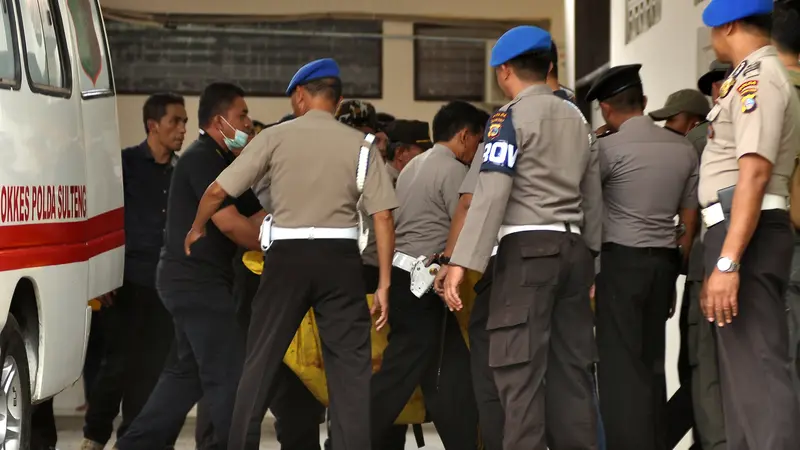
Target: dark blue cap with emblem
[
  {"x": 720, "y": 12},
  {"x": 315, "y": 70},
  {"x": 613, "y": 81},
  {"x": 517, "y": 41}
]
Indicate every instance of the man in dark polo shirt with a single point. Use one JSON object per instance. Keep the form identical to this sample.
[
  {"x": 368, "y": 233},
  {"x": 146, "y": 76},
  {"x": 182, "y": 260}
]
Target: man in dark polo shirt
[
  {"x": 137, "y": 328},
  {"x": 197, "y": 288}
]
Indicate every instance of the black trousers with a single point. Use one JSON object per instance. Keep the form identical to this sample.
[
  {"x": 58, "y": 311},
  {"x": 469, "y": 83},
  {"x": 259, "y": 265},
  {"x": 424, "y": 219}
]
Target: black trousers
[
  {"x": 137, "y": 335},
  {"x": 210, "y": 351},
  {"x": 540, "y": 327},
  {"x": 490, "y": 411},
  {"x": 298, "y": 275},
  {"x": 761, "y": 409},
  {"x": 43, "y": 427},
  {"x": 635, "y": 290},
  {"x": 425, "y": 349}
]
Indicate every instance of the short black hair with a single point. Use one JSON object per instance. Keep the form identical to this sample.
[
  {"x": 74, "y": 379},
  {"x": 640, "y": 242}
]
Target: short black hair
[
  {"x": 330, "y": 88},
  {"x": 532, "y": 66},
  {"x": 629, "y": 100},
  {"x": 385, "y": 117},
  {"x": 554, "y": 58},
  {"x": 257, "y": 123},
  {"x": 786, "y": 27},
  {"x": 155, "y": 107},
  {"x": 454, "y": 117},
  {"x": 762, "y": 23},
  {"x": 215, "y": 100}
]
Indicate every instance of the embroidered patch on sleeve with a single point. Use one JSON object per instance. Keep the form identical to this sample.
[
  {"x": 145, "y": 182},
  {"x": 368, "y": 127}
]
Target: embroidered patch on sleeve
[
  {"x": 752, "y": 70},
  {"x": 748, "y": 87},
  {"x": 749, "y": 103}
]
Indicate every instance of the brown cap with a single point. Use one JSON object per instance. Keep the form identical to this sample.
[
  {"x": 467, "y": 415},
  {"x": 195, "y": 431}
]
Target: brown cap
[
  {"x": 410, "y": 132},
  {"x": 686, "y": 100}
]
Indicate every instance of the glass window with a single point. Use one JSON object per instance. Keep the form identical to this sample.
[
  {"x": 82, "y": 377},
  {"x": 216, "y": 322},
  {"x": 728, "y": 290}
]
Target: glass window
[
  {"x": 8, "y": 51},
  {"x": 92, "y": 50},
  {"x": 44, "y": 56}
]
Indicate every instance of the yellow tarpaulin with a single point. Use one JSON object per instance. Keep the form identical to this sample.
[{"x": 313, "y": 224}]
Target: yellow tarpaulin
[{"x": 304, "y": 355}]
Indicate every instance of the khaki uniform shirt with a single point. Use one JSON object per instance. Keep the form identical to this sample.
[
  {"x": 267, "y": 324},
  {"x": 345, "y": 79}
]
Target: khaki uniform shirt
[
  {"x": 393, "y": 172},
  {"x": 648, "y": 173},
  {"x": 370, "y": 254},
  {"x": 312, "y": 182},
  {"x": 427, "y": 191},
  {"x": 537, "y": 169},
  {"x": 261, "y": 189},
  {"x": 757, "y": 112},
  {"x": 471, "y": 180}
]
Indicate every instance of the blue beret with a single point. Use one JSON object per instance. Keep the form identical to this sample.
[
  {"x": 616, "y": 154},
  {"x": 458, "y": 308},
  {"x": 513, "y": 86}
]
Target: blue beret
[
  {"x": 315, "y": 70},
  {"x": 517, "y": 41},
  {"x": 720, "y": 12}
]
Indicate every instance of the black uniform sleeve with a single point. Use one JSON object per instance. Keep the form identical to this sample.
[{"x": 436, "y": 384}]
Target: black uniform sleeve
[{"x": 204, "y": 168}]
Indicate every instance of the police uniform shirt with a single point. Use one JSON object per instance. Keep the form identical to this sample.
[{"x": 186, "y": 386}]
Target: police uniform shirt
[
  {"x": 471, "y": 180},
  {"x": 309, "y": 165},
  {"x": 698, "y": 137},
  {"x": 648, "y": 173},
  {"x": 757, "y": 112},
  {"x": 427, "y": 191},
  {"x": 370, "y": 254},
  {"x": 211, "y": 257},
  {"x": 261, "y": 189},
  {"x": 537, "y": 169},
  {"x": 393, "y": 172}
]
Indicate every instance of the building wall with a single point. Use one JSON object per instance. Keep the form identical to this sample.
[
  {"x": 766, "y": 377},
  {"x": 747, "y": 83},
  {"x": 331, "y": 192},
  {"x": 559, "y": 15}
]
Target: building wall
[{"x": 398, "y": 54}]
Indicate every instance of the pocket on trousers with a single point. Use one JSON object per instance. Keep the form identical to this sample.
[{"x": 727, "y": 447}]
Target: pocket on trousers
[
  {"x": 540, "y": 264},
  {"x": 509, "y": 336}
]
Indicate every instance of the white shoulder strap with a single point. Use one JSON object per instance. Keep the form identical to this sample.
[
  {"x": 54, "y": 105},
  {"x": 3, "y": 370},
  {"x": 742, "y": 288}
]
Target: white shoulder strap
[{"x": 363, "y": 160}]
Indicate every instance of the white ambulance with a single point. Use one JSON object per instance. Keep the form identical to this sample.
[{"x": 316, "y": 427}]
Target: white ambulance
[{"x": 61, "y": 202}]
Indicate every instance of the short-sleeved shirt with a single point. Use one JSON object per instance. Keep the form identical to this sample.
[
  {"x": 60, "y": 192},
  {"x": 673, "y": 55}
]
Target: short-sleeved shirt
[
  {"x": 427, "y": 191},
  {"x": 757, "y": 112},
  {"x": 471, "y": 179},
  {"x": 146, "y": 185},
  {"x": 212, "y": 256},
  {"x": 649, "y": 174},
  {"x": 698, "y": 137},
  {"x": 538, "y": 168},
  {"x": 393, "y": 172},
  {"x": 309, "y": 165}
]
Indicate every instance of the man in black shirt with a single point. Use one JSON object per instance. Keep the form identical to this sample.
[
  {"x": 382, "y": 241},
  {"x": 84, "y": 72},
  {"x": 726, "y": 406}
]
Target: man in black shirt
[
  {"x": 197, "y": 288},
  {"x": 137, "y": 328}
]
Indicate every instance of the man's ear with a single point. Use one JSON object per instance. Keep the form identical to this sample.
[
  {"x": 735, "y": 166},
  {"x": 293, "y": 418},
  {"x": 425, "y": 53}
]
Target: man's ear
[
  {"x": 644, "y": 102},
  {"x": 151, "y": 125}
]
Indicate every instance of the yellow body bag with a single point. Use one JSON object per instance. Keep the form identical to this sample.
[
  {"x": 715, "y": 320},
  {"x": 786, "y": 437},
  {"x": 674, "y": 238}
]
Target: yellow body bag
[{"x": 304, "y": 355}]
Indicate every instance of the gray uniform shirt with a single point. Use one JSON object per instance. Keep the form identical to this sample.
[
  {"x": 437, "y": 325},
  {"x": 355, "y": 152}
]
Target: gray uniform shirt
[
  {"x": 648, "y": 174},
  {"x": 471, "y": 180},
  {"x": 537, "y": 169},
  {"x": 427, "y": 191},
  {"x": 757, "y": 112},
  {"x": 312, "y": 182},
  {"x": 698, "y": 138}
]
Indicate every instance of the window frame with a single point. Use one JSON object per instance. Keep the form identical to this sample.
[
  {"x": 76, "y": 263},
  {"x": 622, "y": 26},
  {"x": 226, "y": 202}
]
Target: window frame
[
  {"x": 419, "y": 96},
  {"x": 102, "y": 93},
  {"x": 61, "y": 42},
  {"x": 16, "y": 82}
]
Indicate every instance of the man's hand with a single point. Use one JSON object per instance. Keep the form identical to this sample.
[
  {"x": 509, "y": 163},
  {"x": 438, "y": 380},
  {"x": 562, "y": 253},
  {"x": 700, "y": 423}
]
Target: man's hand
[
  {"x": 380, "y": 304},
  {"x": 191, "y": 237},
  {"x": 438, "y": 283},
  {"x": 720, "y": 301},
  {"x": 452, "y": 296},
  {"x": 107, "y": 299}
]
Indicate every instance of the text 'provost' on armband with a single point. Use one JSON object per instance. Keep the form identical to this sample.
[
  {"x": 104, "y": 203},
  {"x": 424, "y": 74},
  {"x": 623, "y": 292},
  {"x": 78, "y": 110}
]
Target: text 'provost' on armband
[{"x": 500, "y": 149}]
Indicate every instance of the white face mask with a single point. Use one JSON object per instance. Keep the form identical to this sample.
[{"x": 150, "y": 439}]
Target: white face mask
[{"x": 239, "y": 139}]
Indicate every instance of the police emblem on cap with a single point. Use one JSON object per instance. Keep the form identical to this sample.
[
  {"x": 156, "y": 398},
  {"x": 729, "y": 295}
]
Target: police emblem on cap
[
  {"x": 749, "y": 103},
  {"x": 726, "y": 87}
]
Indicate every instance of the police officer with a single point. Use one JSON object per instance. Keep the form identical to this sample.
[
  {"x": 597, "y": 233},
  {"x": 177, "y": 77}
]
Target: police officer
[
  {"x": 538, "y": 197},
  {"x": 312, "y": 257},
  {"x": 427, "y": 191},
  {"x": 196, "y": 288},
  {"x": 753, "y": 138},
  {"x": 649, "y": 175}
]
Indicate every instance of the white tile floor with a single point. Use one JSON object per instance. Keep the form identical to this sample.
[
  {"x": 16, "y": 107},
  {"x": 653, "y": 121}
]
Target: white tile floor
[{"x": 70, "y": 435}]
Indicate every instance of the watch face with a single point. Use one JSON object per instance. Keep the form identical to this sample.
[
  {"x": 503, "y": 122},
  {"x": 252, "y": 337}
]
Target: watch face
[{"x": 724, "y": 264}]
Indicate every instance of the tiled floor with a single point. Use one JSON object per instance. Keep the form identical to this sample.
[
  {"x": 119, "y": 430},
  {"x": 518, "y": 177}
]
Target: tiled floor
[{"x": 70, "y": 435}]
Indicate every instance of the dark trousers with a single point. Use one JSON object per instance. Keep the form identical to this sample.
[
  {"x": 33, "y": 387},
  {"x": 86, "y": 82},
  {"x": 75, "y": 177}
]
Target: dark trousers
[
  {"x": 635, "y": 290},
  {"x": 138, "y": 335},
  {"x": 793, "y": 305},
  {"x": 298, "y": 275},
  {"x": 761, "y": 409},
  {"x": 43, "y": 427},
  {"x": 425, "y": 349},
  {"x": 210, "y": 347},
  {"x": 540, "y": 326},
  {"x": 490, "y": 411},
  {"x": 95, "y": 352}
]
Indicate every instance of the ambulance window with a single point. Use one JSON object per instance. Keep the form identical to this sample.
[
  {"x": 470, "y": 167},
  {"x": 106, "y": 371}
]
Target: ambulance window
[
  {"x": 8, "y": 47},
  {"x": 93, "y": 69},
  {"x": 45, "y": 53}
]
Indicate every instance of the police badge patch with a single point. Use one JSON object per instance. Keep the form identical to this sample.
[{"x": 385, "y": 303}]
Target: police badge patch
[
  {"x": 726, "y": 87},
  {"x": 748, "y": 87},
  {"x": 749, "y": 103},
  {"x": 739, "y": 69},
  {"x": 500, "y": 144}
]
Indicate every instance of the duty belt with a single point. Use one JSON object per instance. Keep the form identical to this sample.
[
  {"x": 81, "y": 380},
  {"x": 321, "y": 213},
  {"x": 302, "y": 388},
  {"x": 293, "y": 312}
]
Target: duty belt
[
  {"x": 269, "y": 233},
  {"x": 505, "y": 230},
  {"x": 422, "y": 269},
  {"x": 713, "y": 214}
]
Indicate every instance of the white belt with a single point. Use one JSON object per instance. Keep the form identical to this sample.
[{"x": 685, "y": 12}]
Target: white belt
[
  {"x": 713, "y": 214},
  {"x": 505, "y": 230},
  {"x": 494, "y": 251},
  {"x": 311, "y": 233},
  {"x": 403, "y": 261}
]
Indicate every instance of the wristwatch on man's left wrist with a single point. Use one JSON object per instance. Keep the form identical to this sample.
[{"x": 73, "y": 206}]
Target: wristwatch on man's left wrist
[{"x": 727, "y": 265}]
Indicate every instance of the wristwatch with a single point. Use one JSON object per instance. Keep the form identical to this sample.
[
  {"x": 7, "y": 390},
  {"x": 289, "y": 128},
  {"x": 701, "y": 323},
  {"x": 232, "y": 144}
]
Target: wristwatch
[{"x": 727, "y": 265}]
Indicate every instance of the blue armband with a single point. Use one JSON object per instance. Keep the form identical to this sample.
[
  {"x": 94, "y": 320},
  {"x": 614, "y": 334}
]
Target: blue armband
[{"x": 500, "y": 144}]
